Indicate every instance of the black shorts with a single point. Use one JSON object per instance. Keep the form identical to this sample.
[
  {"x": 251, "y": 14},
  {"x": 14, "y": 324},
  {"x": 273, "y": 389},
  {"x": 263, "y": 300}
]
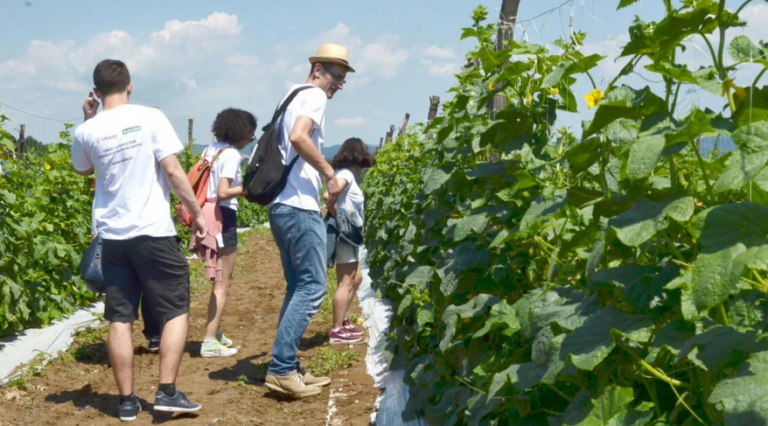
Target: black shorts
[
  {"x": 152, "y": 265},
  {"x": 229, "y": 230}
]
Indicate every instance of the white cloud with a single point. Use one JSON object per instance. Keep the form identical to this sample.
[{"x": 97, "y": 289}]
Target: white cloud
[
  {"x": 437, "y": 52},
  {"x": 440, "y": 69},
  {"x": 350, "y": 122}
]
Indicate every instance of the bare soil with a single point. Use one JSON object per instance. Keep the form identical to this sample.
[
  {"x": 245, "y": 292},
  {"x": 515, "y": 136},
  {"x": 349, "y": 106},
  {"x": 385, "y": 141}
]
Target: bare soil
[{"x": 83, "y": 392}]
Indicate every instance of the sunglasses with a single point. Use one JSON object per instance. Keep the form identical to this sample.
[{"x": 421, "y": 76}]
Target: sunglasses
[{"x": 337, "y": 77}]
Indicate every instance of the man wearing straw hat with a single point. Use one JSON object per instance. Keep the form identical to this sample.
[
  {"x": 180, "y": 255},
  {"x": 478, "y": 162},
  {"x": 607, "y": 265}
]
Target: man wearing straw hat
[{"x": 295, "y": 220}]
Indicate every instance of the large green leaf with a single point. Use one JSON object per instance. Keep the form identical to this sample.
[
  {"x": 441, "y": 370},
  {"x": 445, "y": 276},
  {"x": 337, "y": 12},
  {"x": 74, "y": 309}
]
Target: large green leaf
[
  {"x": 610, "y": 408},
  {"x": 732, "y": 236},
  {"x": 473, "y": 223},
  {"x": 743, "y": 50},
  {"x": 502, "y": 318},
  {"x": 566, "y": 307},
  {"x": 708, "y": 79},
  {"x": 583, "y": 155},
  {"x": 541, "y": 208},
  {"x": 474, "y": 307},
  {"x": 745, "y": 395},
  {"x": 748, "y": 160},
  {"x": 624, "y": 102},
  {"x": 591, "y": 343},
  {"x": 721, "y": 346},
  {"x": 646, "y": 218},
  {"x": 463, "y": 257},
  {"x": 434, "y": 180},
  {"x": 527, "y": 375},
  {"x": 643, "y": 156}
]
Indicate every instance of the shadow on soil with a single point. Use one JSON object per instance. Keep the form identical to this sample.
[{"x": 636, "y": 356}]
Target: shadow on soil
[
  {"x": 307, "y": 343},
  {"x": 85, "y": 398}
]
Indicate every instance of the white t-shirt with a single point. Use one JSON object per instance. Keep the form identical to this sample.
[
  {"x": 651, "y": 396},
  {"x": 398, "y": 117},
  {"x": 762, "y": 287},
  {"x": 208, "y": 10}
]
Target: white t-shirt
[
  {"x": 226, "y": 166},
  {"x": 304, "y": 183},
  {"x": 126, "y": 145},
  {"x": 351, "y": 199}
]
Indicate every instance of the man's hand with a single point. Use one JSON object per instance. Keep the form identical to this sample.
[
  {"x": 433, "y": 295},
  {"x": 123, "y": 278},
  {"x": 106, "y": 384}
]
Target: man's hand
[
  {"x": 199, "y": 228},
  {"x": 333, "y": 186},
  {"x": 90, "y": 106}
]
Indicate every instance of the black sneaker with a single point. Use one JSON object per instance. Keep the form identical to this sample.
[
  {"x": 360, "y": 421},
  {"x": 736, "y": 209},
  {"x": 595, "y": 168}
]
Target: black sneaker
[
  {"x": 128, "y": 409},
  {"x": 154, "y": 344},
  {"x": 175, "y": 404}
]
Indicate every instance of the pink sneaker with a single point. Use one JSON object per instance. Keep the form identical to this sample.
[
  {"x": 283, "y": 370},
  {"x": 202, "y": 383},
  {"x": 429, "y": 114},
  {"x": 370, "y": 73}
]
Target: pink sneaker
[
  {"x": 344, "y": 336},
  {"x": 351, "y": 328}
]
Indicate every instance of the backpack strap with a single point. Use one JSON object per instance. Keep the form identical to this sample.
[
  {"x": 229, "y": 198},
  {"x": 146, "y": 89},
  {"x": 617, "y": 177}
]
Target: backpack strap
[
  {"x": 282, "y": 107},
  {"x": 213, "y": 160}
]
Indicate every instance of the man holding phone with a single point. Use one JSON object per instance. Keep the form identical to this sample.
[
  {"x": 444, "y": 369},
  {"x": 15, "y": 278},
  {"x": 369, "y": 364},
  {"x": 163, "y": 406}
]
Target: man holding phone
[{"x": 133, "y": 152}]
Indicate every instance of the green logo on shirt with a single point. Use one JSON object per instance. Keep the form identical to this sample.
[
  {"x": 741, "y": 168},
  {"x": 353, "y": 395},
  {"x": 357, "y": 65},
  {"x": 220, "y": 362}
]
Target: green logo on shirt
[{"x": 131, "y": 129}]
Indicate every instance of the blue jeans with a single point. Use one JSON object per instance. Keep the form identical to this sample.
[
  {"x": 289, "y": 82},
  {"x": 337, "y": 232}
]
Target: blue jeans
[{"x": 300, "y": 236}]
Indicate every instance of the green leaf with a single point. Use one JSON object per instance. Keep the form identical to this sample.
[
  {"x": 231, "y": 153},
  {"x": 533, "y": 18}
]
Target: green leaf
[
  {"x": 434, "y": 180},
  {"x": 420, "y": 276},
  {"x": 625, "y": 3},
  {"x": 541, "y": 208},
  {"x": 474, "y": 307},
  {"x": 581, "y": 156},
  {"x": 721, "y": 346},
  {"x": 474, "y": 223},
  {"x": 591, "y": 343},
  {"x": 743, "y": 50},
  {"x": 646, "y": 218},
  {"x": 745, "y": 395},
  {"x": 611, "y": 408},
  {"x": 643, "y": 156},
  {"x": 503, "y": 318},
  {"x": 708, "y": 79},
  {"x": 463, "y": 257},
  {"x": 732, "y": 236},
  {"x": 748, "y": 160},
  {"x": 624, "y": 102}
]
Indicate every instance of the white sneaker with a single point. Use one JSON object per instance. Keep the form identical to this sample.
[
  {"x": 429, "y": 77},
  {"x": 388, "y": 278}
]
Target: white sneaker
[
  {"x": 213, "y": 349},
  {"x": 223, "y": 339}
]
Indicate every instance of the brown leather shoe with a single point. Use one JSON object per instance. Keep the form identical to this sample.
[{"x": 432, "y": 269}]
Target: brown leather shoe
[
  {"x": 292, "y": 385},
  {"x": 311, "y": 380}
]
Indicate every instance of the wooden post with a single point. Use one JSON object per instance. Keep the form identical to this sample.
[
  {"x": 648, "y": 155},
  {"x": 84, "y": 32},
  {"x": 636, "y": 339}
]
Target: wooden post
[
  {"x": 189, "y": 134},
  {"x": 390, "y": 133},
  {"x": 21, "y": 145},
  {"x": 434, "y": 103},
  {"x": 504, "y": 32},
  {"x": 404, "y": 127},
  {"x": 381, "y": 143}
]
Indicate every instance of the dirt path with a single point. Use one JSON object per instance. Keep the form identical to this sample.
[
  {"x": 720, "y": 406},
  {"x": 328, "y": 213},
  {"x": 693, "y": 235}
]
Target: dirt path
[{"x": 79, "y": 389}]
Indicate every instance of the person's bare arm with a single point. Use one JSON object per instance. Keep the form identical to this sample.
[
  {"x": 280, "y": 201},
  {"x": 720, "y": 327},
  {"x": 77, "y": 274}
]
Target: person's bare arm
[
  {"x": 225, "y": 191},
  {"x": 333, "y": 206},
  {"x": 306, "y": 148},
  {"x": 86, "y": 172},
  {"x": 178, "y": 181}
]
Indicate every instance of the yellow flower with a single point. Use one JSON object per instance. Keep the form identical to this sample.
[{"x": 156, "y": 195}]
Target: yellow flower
[
  {"x": 554, "y": 91},
  {"x": 62, "y": 224},
  {"x": 490, "y": 86},
  {"x": 593, "y": 98},
  {"x": 528, "y": 99},
  {"x": 47, "y": 167}
]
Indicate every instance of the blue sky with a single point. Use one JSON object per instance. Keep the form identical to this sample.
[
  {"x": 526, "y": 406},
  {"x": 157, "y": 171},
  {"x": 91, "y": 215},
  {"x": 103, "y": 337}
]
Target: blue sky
[{"x": 195, "y": 58}]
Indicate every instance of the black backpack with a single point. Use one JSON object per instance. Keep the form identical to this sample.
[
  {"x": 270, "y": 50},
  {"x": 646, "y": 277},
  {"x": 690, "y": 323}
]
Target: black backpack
[{"x": 266, "y": 175}]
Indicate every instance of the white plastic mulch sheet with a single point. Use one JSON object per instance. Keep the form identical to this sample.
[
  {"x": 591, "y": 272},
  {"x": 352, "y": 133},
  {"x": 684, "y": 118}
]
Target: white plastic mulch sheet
[
  {"x": 391, "y": 402},
  {"x": 21, "y": 349}
]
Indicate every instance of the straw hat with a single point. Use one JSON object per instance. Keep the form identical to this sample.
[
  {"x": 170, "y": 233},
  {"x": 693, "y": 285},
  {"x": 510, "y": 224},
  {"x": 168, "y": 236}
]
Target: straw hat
[{"x": 331, "y": 53}]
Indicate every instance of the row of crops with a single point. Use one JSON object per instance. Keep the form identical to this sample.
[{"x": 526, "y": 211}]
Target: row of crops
[
  {"x": 45, "y": 225},
  {"x": 610, "y": 276}
]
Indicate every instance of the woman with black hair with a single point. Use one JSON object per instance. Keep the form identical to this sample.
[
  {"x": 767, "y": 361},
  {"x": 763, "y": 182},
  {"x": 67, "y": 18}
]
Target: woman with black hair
[
  {"x": 233, "y": 129},
  {"x": 352, "y": 158}
]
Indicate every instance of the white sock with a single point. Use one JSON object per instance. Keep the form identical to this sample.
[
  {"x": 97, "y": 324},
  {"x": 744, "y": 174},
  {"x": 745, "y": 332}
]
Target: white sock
[{"x": 336, "y": 330}]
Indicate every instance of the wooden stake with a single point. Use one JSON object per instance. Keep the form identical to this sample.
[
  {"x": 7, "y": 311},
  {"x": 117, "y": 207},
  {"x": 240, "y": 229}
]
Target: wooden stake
[
  {"x": 434, "y": 103},
  {"x": 504, "y": 32},
  {"x": 21, "y": 145},
  {"x": 390, "y": 133},
  {"x": 404, "y": 127},
  {"x": 381, "y": 143},
  {"x": 189, "y": 134}
]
